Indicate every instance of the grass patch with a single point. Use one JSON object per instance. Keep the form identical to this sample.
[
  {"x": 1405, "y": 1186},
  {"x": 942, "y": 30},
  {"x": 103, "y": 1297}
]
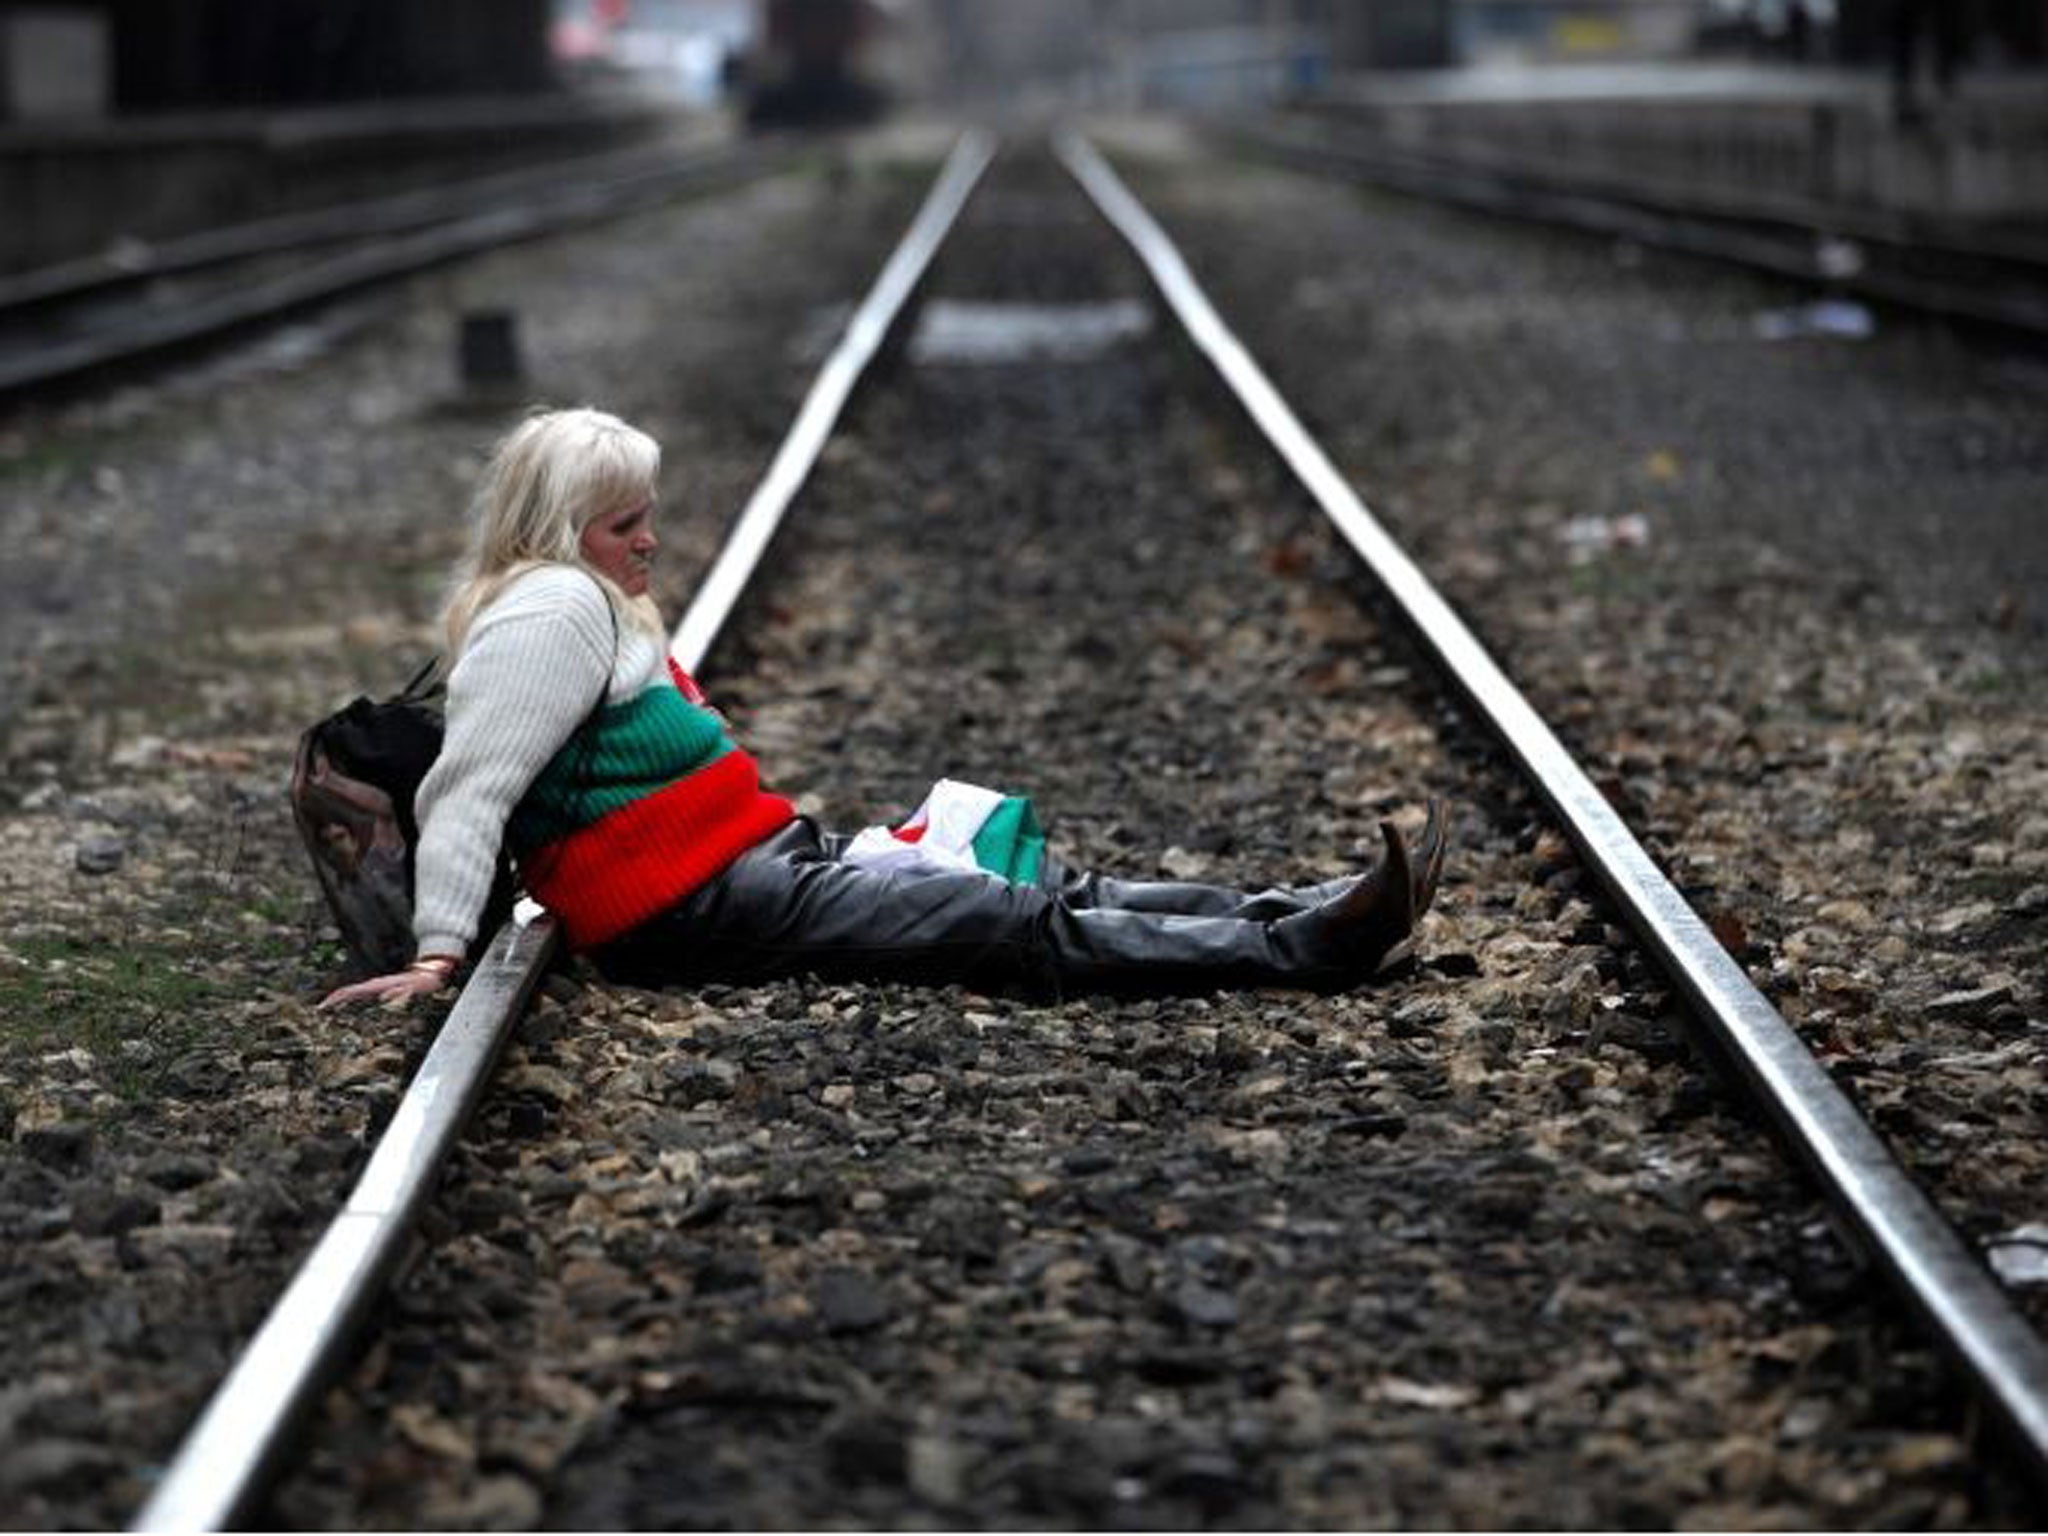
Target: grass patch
[{"x": 133, "y": 1005}]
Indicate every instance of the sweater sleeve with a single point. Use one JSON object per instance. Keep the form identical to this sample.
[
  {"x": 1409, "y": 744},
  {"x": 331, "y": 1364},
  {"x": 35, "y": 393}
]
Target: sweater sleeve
[{"x": 529, "y": 674}]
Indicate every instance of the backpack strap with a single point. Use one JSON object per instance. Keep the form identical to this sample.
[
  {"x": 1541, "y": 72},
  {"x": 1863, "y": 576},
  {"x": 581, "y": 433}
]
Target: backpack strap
[{"x": 423, "y": 685}]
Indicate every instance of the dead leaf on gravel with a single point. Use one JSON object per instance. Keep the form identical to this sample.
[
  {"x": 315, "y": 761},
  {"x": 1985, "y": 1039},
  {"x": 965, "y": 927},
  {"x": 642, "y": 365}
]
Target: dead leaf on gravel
[
  {"x": 427, "y": 1431},
  {"x": 1729, "y": 932}
]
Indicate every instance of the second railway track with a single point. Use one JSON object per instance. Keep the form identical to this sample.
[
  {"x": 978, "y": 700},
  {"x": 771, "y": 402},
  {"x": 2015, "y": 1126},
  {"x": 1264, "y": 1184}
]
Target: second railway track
[
  {"x": 90, "y": 317},
  {"x": 1988, "y": 277},
  {"x": 806, "y": 1252}
]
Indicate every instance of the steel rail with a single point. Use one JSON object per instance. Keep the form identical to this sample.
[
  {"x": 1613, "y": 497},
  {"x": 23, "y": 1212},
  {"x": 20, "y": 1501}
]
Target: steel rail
[
  {"x": 2015, "y": 296},
  {"x": 1890, "y": 1217},
  {"x": 239, "y": 1438},
  {"x": 1789, "y": 211},
  {"x": 390, "y": 214}
]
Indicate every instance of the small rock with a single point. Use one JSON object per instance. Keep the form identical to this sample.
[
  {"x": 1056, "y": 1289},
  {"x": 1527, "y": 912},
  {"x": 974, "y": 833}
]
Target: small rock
[
  {"x": 1974, "y": 1003},
  {"x": 2032, "y": 902},
  {"x": 1380, "y": 1123},
  {"x": 500, "y": 1503},
  {"x": 2020, "y": 1257},
  {"x": 108, "y": 1213},
  {"x": 66, "y": 1146},
  {"x": 544, "y": 1025},
  {"x": 142, "y": 752},
  {"x": 1203, "y": 1306},
  {"x": 1656, "y": 1040},
  {"x": 937, "y": 1469},
  {"x": 33, "y": 1224},
  {"x": 698, "y": 1082},
  {"x": 1414, "y": 1020},
  {"x": 100, "y": 853},
  {"x": 918, "y": 1084},
  {"x": 55, "y": 1466},
  {"x": 1124, "y": 1262},
  {"x": 1852, "y": 915},
  {"x": 1742, "y": 1465},
  {"x": 42, "y": 797},
  {"x": 174, "y": 1171},
  {"x": 1213, "y": 1480},
  {"x": 1918, "y": 1455},
  {"x": 1805, "y": 1419},
  {"x": 836, "y": 1095},
  {"x": 1180, "y": 1367},
  {"x": 1955, "y": 919},
  {"x": 479, "y": 1207},
  {"x": 563, "y": 988},
  {"x": 541, "y": 1082},
  {"x": 869, "y": 1450},
  {"x": 1088, "y": 1160},
  {"x": 1552, "y": 855},
  {"x": 728, "y": 1272},
  {"x": 194, "y": 1246},
  {"x": 847, "y": 1301},
  {"x": 199, "y": 1075},
  {"x": 526, "y": 1119},
  {"x": 1848, "y": 992},
  {"x": 324, "y": 1154},
  {"x": 428, "y": 1431}
]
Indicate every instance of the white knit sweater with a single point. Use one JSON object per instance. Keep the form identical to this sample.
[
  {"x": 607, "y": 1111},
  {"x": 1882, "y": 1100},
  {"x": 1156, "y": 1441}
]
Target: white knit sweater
[{"x": 527, "y": 677}]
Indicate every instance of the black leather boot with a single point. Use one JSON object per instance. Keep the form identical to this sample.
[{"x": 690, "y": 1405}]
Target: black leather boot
[{"x": 1366, "y": 928}]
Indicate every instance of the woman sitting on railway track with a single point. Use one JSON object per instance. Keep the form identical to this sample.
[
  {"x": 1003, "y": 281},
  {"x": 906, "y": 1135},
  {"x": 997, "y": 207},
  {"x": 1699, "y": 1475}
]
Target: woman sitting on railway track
[{"x": 632, "y": 815}]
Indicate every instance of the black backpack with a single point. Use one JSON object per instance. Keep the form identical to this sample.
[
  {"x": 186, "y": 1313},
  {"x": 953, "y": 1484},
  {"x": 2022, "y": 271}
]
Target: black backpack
[{"x": 352, "y": 789}]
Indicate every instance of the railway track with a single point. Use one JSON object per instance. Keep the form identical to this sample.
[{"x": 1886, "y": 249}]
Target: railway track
[
  {"x": 241, "y": 1435},
  {"x": 60, "y": 324},
  {"x": 1988, "y": 280}
]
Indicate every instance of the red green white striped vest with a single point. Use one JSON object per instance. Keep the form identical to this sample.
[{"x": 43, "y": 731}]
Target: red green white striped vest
[{"x": 645, "y": 803}]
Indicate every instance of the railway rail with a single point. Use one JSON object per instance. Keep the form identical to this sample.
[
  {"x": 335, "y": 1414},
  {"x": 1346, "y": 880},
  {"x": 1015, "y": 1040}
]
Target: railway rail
[
  {"x": 1985, "y": 279},
  {"x": 84, "y": 317},
  {"x": 246, "y": 1427}
]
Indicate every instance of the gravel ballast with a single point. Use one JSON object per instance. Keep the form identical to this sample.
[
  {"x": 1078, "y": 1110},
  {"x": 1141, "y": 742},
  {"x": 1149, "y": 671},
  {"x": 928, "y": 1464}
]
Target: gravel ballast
[
  {"x": 201, "y": 564},
  {"x": 1483, "y": 1245}
]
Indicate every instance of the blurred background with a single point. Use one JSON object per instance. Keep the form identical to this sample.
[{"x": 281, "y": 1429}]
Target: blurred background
[{"x": 141, "y": 119}]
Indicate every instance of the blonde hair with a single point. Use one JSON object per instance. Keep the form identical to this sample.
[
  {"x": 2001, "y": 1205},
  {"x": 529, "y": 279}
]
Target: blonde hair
[{"x": 547, "y": 479}]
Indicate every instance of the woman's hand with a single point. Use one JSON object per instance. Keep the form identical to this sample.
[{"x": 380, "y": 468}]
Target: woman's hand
[{"x": 422, "y": 977}]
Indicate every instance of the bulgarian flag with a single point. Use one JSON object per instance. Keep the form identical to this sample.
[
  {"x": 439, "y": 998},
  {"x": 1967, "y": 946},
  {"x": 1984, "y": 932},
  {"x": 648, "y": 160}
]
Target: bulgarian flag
[{"x": 962, "y": 828}]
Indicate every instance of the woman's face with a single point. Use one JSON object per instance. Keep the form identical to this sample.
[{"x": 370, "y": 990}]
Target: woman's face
[{"x": 621, "y": 544}]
